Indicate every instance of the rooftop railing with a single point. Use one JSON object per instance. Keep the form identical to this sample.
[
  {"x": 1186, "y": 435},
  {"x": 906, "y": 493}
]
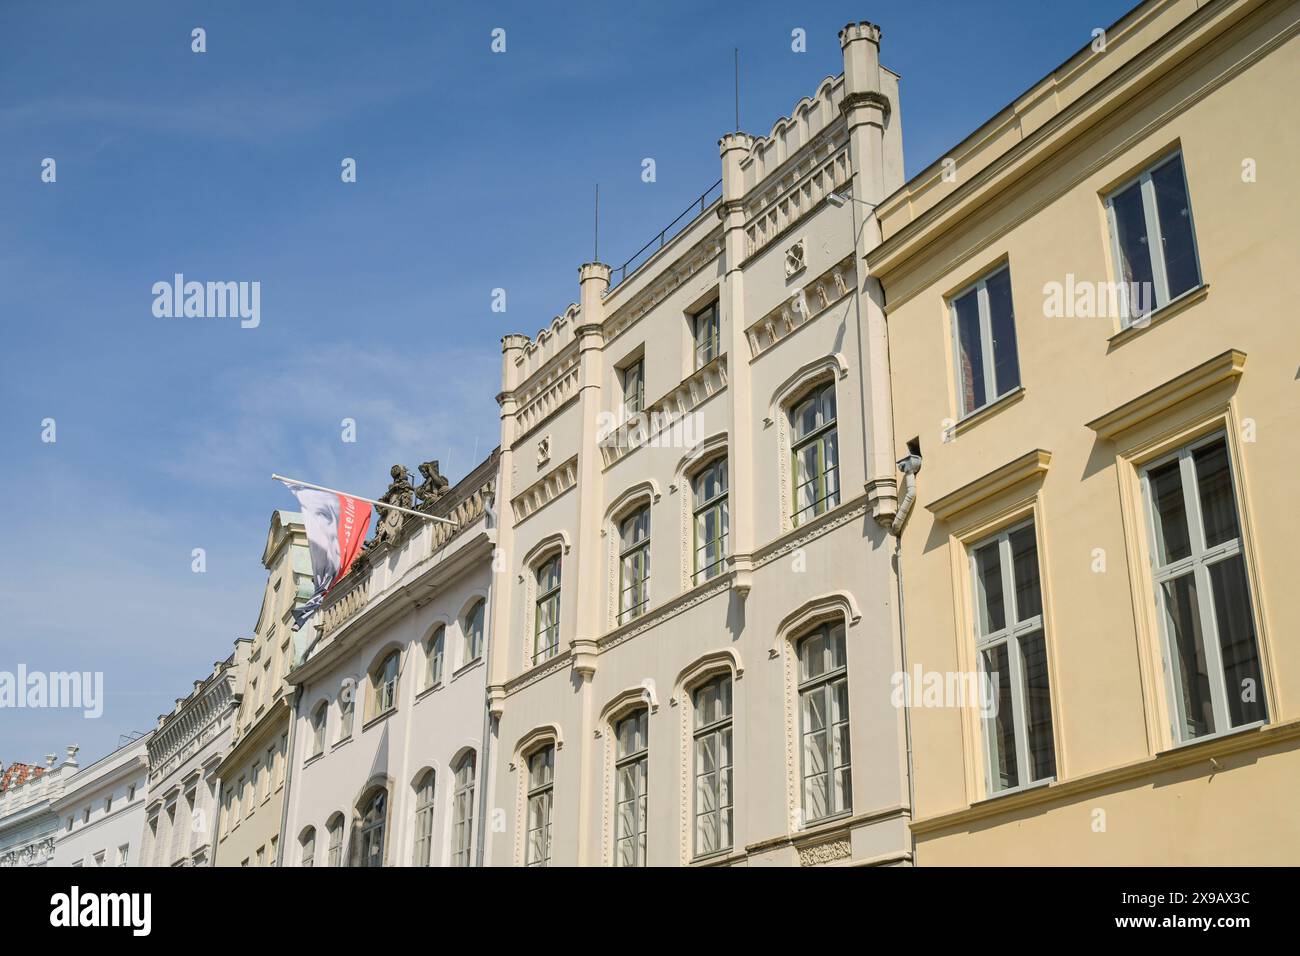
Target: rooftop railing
[{"x": 687, "y": 216}]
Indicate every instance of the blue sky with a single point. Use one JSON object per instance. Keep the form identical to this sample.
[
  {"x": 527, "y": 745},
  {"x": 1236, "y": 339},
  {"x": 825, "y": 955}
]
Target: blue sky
[{"x": 475, "y": 171}]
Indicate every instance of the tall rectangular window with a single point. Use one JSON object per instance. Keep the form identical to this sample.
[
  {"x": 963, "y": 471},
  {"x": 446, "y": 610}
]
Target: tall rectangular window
[
  {"x": 435, "y": 654},
  {"x": 631, "y": 760},
  {"x": 984, "y": 333},
  {"x": 336, "y": 841},
  {"x": 824, "y": 724},
  {"x": 709, "y": 500},
  {"x": 815, "y": 450},
  {"x": 1153, "y": 239},
  {"x": 474, "y": 633},
  {"x": 705, "y": 329},
  {"x": 463, "y": 814},
  {"x": 634, "y": 564},
  {"x": 546, "y": 622},
  {"x": 1012, "y": 655},
  {"x": 1212, "y": 657},
  {"x": 424, "y": 819},
  {"x": 713, "y": 792},
  {"x": 634, "y": 387},
  {"x": 541, "y": 793}
]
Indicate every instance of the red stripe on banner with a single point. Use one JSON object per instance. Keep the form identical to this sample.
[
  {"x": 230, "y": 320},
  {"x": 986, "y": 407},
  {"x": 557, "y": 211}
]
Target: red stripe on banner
[{"x": 354, "y": 519}]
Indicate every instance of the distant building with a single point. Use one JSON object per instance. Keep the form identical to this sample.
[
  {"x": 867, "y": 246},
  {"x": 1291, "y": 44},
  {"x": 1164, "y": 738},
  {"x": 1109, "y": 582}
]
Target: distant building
[
  {"x": 184, "y": 752},
  {"x": 253, "y": 773},
  {"x": 28, "y": 822},
  {"x": 102, "y": 811},
  {"x": 389, "y": 759}
]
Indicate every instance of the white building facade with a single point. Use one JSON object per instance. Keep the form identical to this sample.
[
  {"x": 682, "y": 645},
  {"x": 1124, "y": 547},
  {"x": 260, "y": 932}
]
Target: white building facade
[
  {"x": 28, "y": 822},
  {"x": 102, "y": 811},
  {"x": 185, "y": 750},
  {"x": 697, "y": 483},
  {"x": 388, "y": 763}
]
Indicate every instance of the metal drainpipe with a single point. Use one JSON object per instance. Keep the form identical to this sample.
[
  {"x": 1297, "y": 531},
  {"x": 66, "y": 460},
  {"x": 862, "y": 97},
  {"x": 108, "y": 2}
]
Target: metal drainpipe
[{"x": 909, "y": 466}]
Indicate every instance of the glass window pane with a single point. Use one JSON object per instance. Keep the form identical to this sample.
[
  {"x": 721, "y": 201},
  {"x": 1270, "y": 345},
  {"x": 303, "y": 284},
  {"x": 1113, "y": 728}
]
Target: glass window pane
[
  {"x": 970, "y": 352},
  {"x": 1174, "y": 210},
  {"x": 1002, "y": 321},
  {"x": 988, "y": 579},
  {"x": 1232, "y": 613},
  {"x": 1214, "y": 484},
  {"x": 1024, "y": 568},
  {"x": 1170, "y": 511},
  {"x": 1001, "y": 725},
  {"x": 1191, "y": 672},
  {"x": 1134, "y": 248},
  {"x": 1038, "y": 706}
]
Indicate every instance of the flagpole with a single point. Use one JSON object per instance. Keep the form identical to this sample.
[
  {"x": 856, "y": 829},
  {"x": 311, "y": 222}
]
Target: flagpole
[{"x": 381, "y": 504}]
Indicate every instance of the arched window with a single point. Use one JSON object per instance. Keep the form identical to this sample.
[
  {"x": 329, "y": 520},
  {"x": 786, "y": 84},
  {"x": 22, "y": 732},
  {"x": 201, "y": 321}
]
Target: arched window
[
  {"x": 383, "y": 681},
  {"x": 335, "y": 829},
  {"x": 714, "y": 798},
  {"x": 709, "y": 507},
  {"x": 815, "y": 453},
  {"x": 463, "y": 813},
  {"x": 308, "y": 843},
  {"x": 541, "y": 794},
  {"x": 424, "y": 791},
  {"x": 374, "y": 817},
  {"x": 824, "y": 723},
  {"x": 474, "y": 633},
  {"x": 318, "y": 718},
  {"x": 347, "y": 709},
  {"x": 631, "y": 766},
  {"x": 546, "y": 626},
  {"x": 434, "y": 650},
  {"x": 634, "y": 564}
]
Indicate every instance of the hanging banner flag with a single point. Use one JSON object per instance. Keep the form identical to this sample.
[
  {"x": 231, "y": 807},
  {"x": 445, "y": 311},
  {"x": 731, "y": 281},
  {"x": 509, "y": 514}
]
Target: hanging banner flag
[{"x": 336, "y": 528}]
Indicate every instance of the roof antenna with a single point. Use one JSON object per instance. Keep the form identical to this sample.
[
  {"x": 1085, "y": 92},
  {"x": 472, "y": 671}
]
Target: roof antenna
[
  {"x": 737, "y": 50},
  {"x": 595, "y": 257}
]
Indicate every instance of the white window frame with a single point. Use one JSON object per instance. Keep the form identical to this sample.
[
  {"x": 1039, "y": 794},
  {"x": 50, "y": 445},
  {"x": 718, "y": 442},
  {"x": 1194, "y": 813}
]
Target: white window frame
[
  {"x": 435, "y": 656},
  {"x": 720, "y": 503},
  {"x": 632, "y": 386},
  {"x": 319, "y": 718},
  {"x": 463, "y": 812},
  {"x": 308, "y": 843},
  {"x": 543, "y": 652},
  {"x": 715, "y": 730},
  {"x": 706, "y": 335},
  {"x": 825, "y": 500},
  {"x": 425, "y": 797},
  {"x": 1155, "y": 239},
  {"x": 824, "y": 684},
  {"x": 385, "y": 691},
  {"x": 992, "y": 390},
  {"x": 638, "y": 760},
  {"x": 473, "y": 647},
  {"x": 540, "y": 767},
  {"x": 1010, "y": 633},
  {"x": 335, "y": 833},
  {"x": 639, "y": 588},
  {"x": 1198, "y": 563}
]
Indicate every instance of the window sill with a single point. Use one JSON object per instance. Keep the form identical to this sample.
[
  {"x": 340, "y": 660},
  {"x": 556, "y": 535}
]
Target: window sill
[
  {"x": 984, "y": 412},
  {"x": 1184, "y": 745},
  {"x": 428, "y": 691},
  {"x": 1155, "y": 317},
  {"x": 466, "y": 668},
  {"x": 340, "y": 743},
  {"x": 378, "y": 719},
  {"x": 312, "y": 759},
  {"x": 1013, "y": 791}
]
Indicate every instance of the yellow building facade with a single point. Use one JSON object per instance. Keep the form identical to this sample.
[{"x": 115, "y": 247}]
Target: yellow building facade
[{"x": 1094, "y": 350}]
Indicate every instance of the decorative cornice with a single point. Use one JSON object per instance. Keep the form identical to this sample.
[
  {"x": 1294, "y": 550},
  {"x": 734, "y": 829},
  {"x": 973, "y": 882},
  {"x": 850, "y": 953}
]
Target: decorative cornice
[
  {"x": 874, "y": 98},
  {"x": 1028, "y": 466},
  {"x": 545, "y": 490},
  {"x": 1224, "y": 367}
]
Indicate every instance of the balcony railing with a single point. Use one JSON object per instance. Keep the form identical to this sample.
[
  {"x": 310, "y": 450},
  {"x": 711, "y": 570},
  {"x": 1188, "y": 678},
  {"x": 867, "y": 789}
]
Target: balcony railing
[{"x": 687, "y": 216}]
